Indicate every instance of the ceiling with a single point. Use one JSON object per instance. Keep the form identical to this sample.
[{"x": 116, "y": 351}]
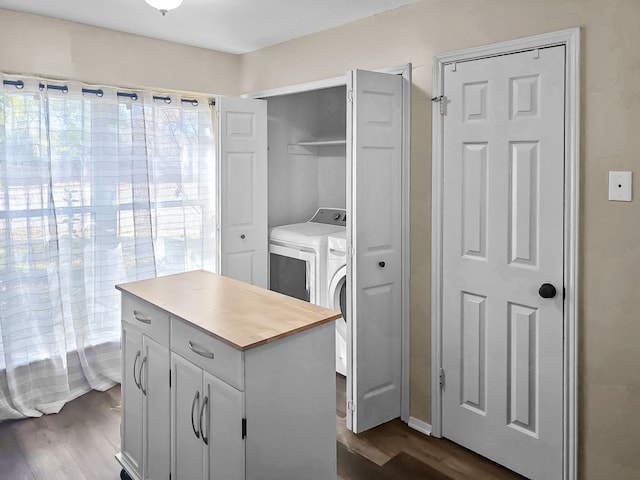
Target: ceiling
[{"x": 234, "y": 26}]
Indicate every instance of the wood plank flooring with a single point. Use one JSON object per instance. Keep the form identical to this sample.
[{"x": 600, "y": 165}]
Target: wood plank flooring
[
  {"x": 395, "y": 451},
  {"x": 80, "y": 442}
]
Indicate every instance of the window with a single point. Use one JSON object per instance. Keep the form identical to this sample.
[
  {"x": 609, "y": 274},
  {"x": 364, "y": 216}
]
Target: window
[{"x": 95, "y": 191}]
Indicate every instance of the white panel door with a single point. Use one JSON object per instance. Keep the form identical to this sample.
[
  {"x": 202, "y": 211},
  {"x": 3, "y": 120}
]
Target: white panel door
[
  {"x": 502, "y": 240},
  {"x": 223, "y": 436},
  {"x": 374, "y": 200},
  {"x": 154, "y": 382},
  {"x": 131, "y": 437},
  {"x": 187, "y": 452},
  {"x": 242, "y": 127}
]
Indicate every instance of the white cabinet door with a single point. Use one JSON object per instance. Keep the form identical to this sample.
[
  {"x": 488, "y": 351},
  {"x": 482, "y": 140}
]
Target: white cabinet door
[
  {"x": 154, "y": 381},
  {"x": 131, "y": 434},
  {"x": 223, "y": 435},
  {"x": 186, "y": 407},
  {"x": 242, "y": 132},
  {"x": 374, "y": 198}
]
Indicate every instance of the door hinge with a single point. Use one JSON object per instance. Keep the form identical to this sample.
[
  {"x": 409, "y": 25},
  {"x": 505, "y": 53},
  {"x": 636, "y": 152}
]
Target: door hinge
[
  {"x": 441, "y": 377},
  {"x": 351, "y": 406},
  {"x": 350, "y": 252},
  {"x": 244, "y": 428},
  {"x": 442, "y": 100},
  {"x": 350, "y": 95}
]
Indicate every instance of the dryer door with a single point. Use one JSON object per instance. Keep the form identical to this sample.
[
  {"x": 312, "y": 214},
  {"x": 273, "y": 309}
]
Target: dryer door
[{"x": 337, "y": 300}]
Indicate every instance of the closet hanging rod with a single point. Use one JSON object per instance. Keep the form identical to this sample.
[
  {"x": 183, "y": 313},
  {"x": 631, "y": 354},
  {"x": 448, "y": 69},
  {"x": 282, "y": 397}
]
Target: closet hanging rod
[{"x": 19, "y": 84}]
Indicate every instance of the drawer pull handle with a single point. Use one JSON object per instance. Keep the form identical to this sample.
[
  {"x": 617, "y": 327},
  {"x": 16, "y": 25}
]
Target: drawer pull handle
[
  {"x": 193, "y": 406},
  {"x": 204, "y": 405},
  {"x": 144, "y": 360},
  {"x": 141, "y": 318},
  {"x": 135, "y": 380},
  {"x": 195, "y": 349}
]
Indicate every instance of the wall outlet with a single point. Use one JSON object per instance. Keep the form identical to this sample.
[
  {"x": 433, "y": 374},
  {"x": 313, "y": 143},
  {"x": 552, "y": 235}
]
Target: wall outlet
[{"x": 620, "y": 186}]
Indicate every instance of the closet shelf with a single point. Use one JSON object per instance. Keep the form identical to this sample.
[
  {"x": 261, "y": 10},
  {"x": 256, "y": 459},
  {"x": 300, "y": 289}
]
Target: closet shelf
[
  {"x": 311, "y": 148},
  {"x": 322, "y": 143}
]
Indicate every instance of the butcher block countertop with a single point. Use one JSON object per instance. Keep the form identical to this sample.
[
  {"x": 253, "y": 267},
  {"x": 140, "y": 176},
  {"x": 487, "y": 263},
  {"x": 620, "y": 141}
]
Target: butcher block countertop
[{"x": 242, "y": 315}]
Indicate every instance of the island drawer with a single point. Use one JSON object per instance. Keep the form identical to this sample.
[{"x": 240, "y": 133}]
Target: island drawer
[
  {"x": 150, "y": 319},
  {"x": 208, "y": 352}
]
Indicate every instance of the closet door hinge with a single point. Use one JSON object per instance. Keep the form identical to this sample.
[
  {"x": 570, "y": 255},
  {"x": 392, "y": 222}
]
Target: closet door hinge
[
  {"x": 441, "y": 377},
  {"x": 350, "y": 252},
  {"x": 244, "y": 428},
  {"x": 350, "y": 95},
  {"x": 442, "y": 100},
  {"x": 351, "y": 407}
]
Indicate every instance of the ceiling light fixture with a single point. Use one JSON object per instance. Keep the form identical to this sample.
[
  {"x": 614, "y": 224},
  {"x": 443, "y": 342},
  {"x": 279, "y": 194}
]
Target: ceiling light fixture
[{"x": 163, "y": 6}]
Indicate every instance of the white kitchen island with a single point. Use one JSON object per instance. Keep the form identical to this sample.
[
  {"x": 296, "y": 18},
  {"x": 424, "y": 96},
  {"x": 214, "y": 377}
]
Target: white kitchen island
[{"x": 224, "y": 380}]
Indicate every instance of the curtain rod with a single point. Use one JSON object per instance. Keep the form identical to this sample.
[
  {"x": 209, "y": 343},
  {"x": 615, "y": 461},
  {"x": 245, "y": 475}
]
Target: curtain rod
[{"x": 98, "y": 92}]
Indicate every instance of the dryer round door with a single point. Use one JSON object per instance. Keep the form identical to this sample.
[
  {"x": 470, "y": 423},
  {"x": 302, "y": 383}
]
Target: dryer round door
[{"x": 337, "y": 297}]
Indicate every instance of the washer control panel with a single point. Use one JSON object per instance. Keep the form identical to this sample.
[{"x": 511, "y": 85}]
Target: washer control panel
[{"x": 331, "y": 216}]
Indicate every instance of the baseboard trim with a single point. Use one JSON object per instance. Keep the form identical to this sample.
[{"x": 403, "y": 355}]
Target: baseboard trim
[{"x": 420, "y": 426}]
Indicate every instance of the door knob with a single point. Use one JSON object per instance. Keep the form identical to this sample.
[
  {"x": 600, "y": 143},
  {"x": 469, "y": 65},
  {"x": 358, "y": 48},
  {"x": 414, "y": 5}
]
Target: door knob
[
  {"x": 381, "y": 264},
  {"x": 243, "y": 236},
  {"x": 547, "y": 290}
]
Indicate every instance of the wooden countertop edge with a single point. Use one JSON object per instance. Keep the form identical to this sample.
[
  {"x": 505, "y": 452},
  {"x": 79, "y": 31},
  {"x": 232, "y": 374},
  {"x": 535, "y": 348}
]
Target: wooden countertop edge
[
  {"x": 264, "y": 341},
  {"x": 243, "y": 348}
]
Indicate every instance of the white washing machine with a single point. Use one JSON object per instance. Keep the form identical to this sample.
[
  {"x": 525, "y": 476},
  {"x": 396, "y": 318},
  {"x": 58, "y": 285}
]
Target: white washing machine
[
  {"x": 298, "y": 255},
  {"x": 337, "y": 293}
]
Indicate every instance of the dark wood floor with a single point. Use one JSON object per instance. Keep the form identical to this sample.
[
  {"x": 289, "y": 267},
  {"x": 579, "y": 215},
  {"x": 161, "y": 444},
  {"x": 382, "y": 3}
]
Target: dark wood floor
[{"x": 79, "y": 444}]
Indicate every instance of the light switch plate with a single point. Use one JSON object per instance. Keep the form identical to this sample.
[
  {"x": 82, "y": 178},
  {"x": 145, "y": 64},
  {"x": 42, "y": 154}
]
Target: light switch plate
[{"x": 620, "y": 186}]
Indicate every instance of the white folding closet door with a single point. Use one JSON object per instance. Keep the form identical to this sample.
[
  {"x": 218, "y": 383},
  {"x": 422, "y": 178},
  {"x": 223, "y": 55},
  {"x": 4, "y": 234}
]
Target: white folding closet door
[
  {"x": 374, "y": 203},
  {"x": 502, "y": 240},
  {"x": 242, "y": 127}
]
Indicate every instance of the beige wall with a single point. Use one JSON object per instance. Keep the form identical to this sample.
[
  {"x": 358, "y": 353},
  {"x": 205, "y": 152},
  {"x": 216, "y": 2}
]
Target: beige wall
[
  {"x": 610, "y": 232},
  {"x": 51, "y": 48}
]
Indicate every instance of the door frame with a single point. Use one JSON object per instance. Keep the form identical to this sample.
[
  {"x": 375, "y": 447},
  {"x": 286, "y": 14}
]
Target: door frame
[
  {"x": 571, "y": 40},
  {"x": 404, "y": 70}
]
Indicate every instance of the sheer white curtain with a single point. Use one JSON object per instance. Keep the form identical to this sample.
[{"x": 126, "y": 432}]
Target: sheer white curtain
[{"x": 95, "y": 190}]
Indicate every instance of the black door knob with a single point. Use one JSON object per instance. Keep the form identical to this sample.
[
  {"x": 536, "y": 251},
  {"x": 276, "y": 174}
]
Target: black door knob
[
  {"x": 243, "y": 236},
  {"x": 547, "y": 290},
  {"x": 382, "y": 264}
]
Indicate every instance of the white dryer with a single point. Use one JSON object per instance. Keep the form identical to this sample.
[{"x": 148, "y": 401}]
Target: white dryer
[
  {"x": 337, "y": 293},
  {"x": 298, "y": 255}
]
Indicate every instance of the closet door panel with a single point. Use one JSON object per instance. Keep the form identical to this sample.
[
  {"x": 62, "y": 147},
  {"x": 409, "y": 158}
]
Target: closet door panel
[
  {"x": 243, "y": 211},
  {"x": 375, "y": 269}
]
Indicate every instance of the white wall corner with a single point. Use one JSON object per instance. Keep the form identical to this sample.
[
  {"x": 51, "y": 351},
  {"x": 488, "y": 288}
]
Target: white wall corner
[{"x": 420, "y": 426}]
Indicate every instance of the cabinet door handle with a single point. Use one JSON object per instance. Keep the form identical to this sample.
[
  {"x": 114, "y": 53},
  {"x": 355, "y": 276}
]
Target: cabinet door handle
[
  {"x": 204, "y": 404},
  {"x": 141, "y": 317},
  {"x": 135, "y": 380},
  {"x": 193, "y": 406},
  {"x": 195, "y": 349},
  {"x": 144, "y": 360}
]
